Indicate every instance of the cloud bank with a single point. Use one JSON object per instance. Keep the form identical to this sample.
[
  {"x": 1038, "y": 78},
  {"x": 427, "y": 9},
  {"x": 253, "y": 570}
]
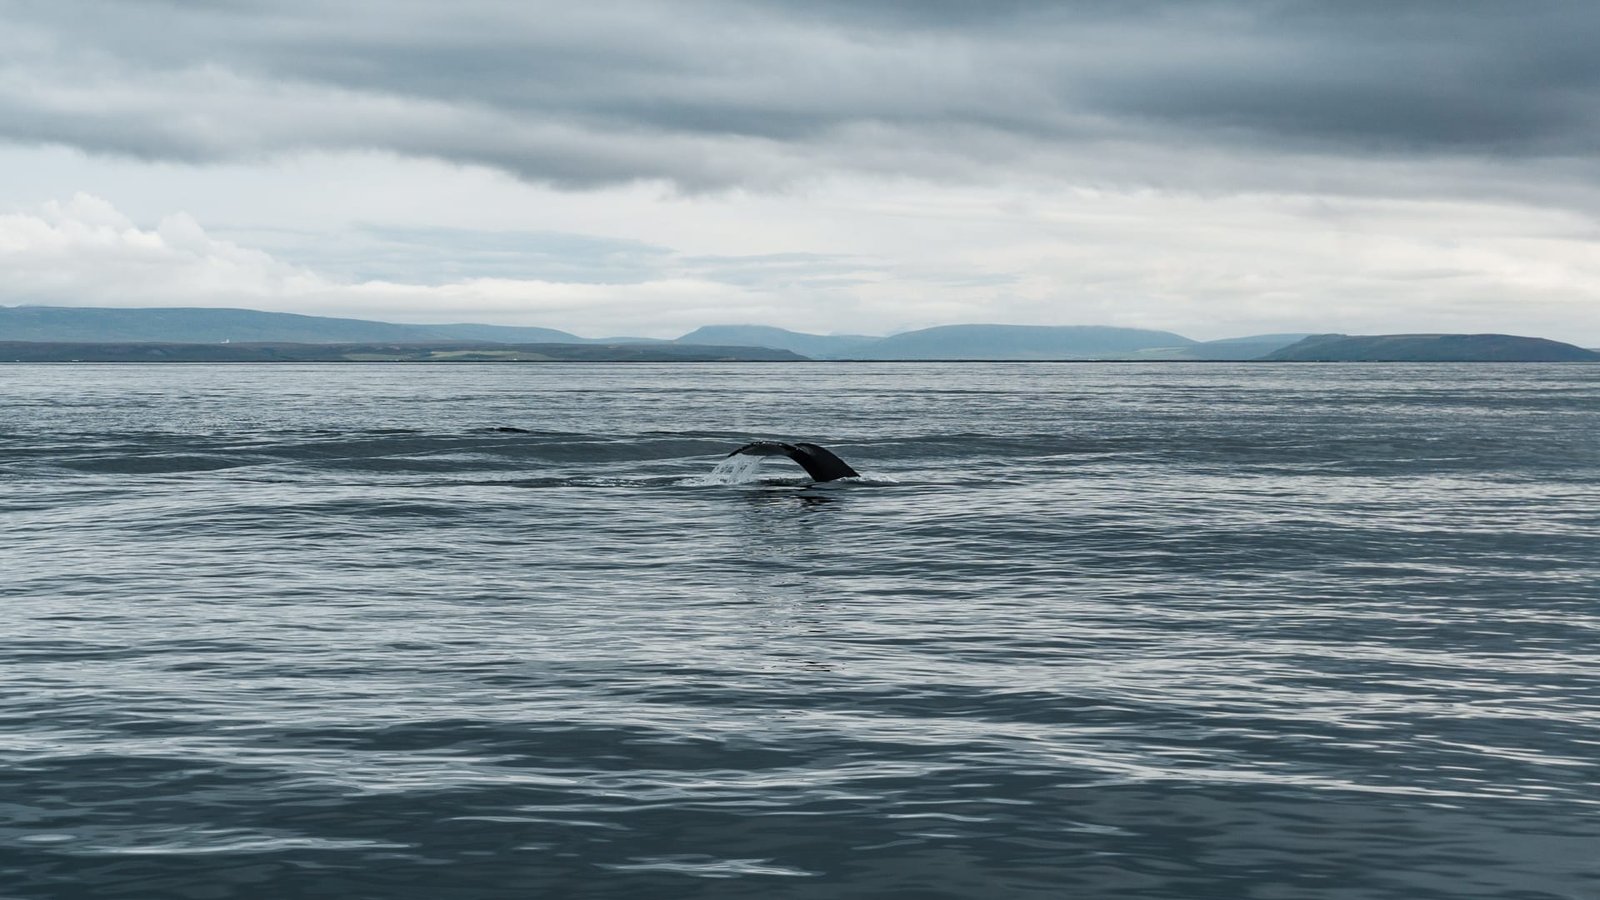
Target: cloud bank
[
  {"x": 1213, "y": 166},
  {"x": 716, "y": 94},
  {"x": 83, "y": 252},
  {"x": 1232, "y": 280}
]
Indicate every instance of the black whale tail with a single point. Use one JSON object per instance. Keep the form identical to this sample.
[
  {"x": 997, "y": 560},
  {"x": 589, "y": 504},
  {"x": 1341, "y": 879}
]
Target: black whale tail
[{"x": 819, "y": 462}]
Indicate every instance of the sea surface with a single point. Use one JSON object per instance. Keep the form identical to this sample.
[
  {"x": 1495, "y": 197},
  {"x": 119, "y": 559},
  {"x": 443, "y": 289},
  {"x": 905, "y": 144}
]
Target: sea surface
[{"x": 1179, "y": 631}]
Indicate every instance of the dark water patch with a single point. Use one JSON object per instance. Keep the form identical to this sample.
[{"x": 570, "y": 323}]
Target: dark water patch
[{"x": 160, "y": 464}]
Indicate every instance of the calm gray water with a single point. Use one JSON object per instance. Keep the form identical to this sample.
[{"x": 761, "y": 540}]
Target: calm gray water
[{"x": 1093, "y": 631}]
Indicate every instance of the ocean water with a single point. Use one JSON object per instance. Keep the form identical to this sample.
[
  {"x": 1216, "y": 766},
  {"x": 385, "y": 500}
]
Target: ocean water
[{"x": 1081, "y": 630}]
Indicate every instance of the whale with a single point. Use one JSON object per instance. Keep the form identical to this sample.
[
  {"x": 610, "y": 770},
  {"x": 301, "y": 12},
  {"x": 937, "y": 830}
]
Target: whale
[{"x": 819, "y": 462}]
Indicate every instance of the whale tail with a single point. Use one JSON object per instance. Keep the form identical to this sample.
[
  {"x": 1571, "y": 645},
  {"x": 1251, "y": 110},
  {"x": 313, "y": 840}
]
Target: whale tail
[{"x": 819, "y": 462}]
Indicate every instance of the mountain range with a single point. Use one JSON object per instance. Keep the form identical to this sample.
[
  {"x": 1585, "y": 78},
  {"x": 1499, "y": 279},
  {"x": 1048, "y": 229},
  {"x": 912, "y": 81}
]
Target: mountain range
[
  {"x": 213, "y": 326},
  {"x": 197, "y": 325}
]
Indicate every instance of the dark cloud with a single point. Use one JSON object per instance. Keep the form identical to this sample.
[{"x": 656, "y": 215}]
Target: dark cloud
[
  {"x": 719, "y": 93},
  {"x": 1492, "y": 79}
]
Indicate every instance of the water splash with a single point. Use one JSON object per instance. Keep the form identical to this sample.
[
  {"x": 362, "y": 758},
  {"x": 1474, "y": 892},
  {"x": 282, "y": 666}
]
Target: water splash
[
  {"x": 739, "y": 469},
  {"x": 743, "y": 469}
]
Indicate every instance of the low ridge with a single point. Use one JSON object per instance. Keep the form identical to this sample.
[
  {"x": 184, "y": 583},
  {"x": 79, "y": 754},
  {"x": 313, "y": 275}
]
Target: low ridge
[
  {"x": 1020, "y": 342},
  {"x": 1430, "y": 348},
  {"x": 209, "y": 325}
]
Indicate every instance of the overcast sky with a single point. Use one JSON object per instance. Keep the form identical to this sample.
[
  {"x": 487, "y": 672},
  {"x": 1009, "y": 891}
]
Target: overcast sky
[{"x": 1214, "y": 168}]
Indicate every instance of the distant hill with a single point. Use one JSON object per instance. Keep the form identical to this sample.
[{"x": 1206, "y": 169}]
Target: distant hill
[
  {"x": 505, "y": 334},
  {"x": 821, "y": 346},
  {"x": 198, "y": 325},
  {"x": 1429, "y": 348},
  {"x": 1238, "y": 349},
  {"x": 152, "y": 351},
  {"x": 998, "y": 342},
  {"x": 192, "y": 326},
  {"x": 1020, "y": 342}
]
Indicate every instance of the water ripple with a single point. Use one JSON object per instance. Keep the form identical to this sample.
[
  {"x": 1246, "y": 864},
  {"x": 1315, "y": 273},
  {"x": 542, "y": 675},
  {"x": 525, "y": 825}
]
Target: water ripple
[{"x": 1162, "y": 631}]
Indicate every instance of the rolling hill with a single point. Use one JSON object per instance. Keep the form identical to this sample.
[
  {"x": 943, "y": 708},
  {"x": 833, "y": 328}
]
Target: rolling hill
[
  {"x": 440, "y": 352},
  {"x": 819, "y": 346},
  {"x": 200, "y": 325},
  {"x": 1019, "y": 342},
  {"x": 1430, "y": 348}
]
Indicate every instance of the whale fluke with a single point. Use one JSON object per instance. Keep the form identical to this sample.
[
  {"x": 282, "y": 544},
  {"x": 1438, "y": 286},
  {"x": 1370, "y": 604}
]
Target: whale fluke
[{"x": 819, "y": 462}]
